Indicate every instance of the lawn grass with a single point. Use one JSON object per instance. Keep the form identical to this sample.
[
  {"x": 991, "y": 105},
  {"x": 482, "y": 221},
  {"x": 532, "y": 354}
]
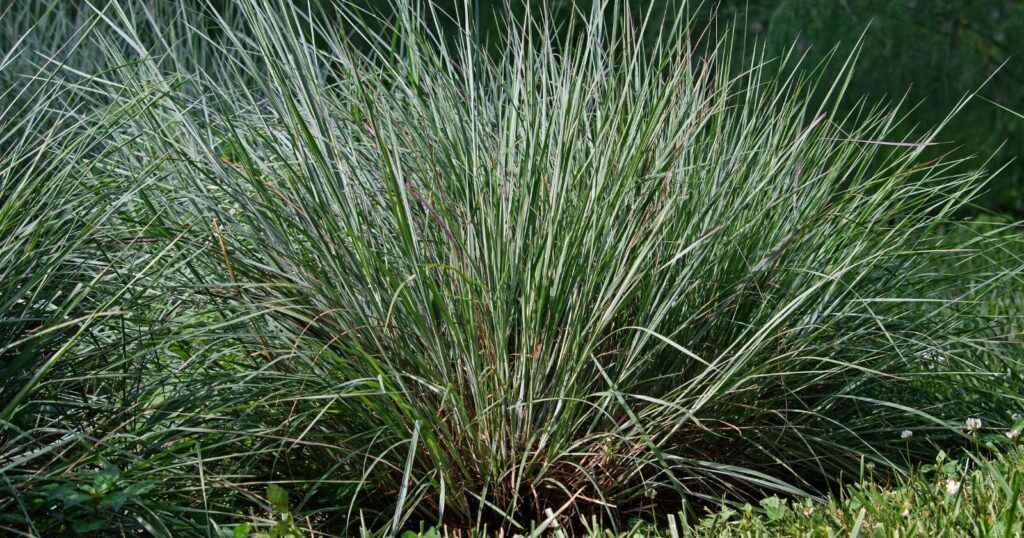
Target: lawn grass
[{"x": 967, "y": 497}]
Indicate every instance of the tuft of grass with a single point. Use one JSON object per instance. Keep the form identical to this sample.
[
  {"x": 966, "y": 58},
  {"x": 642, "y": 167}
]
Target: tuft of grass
[
  {"x": 80, "y": 303},
  {"x": 414, "y": 283}
]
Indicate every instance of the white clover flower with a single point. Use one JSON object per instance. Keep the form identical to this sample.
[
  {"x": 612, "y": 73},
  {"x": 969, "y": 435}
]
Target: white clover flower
[
  {"x": 871, "y": 466},
  {"x": 952, "y": 486},
  {"x": 906, "y": 434},
  {"x": 1012, "y": 435},
  {"x": 973, "y": 425}
]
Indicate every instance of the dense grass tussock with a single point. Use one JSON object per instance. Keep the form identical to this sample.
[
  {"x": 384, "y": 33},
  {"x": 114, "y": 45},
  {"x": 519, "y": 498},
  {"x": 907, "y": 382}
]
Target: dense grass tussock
[{"x": 413, "y": 281}]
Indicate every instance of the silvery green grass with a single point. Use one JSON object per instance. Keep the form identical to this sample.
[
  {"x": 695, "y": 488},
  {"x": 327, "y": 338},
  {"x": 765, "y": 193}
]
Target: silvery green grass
[{"x": 279, "y": 269}]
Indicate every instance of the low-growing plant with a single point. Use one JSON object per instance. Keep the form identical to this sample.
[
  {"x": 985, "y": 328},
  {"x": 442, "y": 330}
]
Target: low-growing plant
[
  {"x": 284, "y": 525},
  {"x": 89, "y": 502}
]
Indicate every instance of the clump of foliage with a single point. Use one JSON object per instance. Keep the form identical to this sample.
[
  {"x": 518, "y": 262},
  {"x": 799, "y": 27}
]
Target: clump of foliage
[
  {"x": 416, "y": 283},
  {"x": 89, "y": 500}
]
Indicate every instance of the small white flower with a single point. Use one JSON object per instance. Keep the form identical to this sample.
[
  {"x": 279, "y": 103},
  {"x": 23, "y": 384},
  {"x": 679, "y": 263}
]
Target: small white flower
[
  {"x": 906, "y": 512},
  {"x": 871, "y": 466},
  {"x": 1012, "y": 435},
  {"x": 973, "y": 424},
  {"x": 808, "y": 510},
  {"x": 906, "y": 434},
  {"x": 952, "y": 486},
  {"x": 1016, "y": 417}
]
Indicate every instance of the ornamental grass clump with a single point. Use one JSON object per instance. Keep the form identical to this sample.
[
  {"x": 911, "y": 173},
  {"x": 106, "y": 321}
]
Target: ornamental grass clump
[
  {"x": 486, "y": 289},
  {"x": 422, "y": 281}
]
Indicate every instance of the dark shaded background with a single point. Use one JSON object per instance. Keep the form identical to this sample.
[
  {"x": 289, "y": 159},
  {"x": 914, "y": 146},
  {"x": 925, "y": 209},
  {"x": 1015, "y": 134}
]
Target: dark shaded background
[{"x": 935, "y": 52}]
